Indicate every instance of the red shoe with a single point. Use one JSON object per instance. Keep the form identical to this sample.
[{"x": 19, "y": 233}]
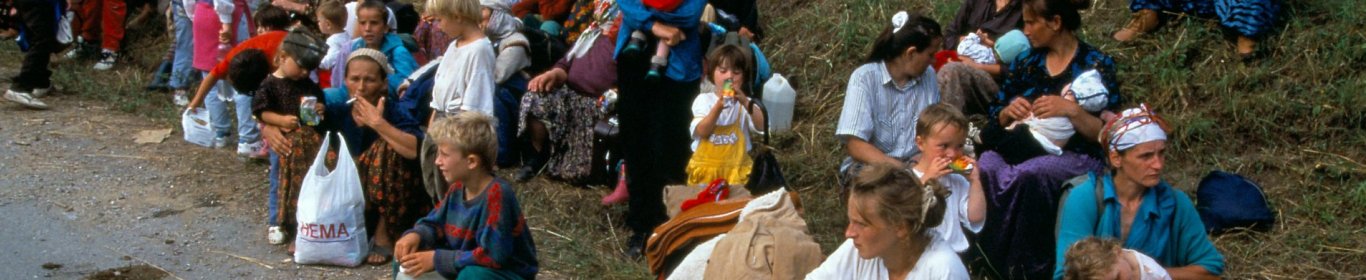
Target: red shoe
[{"x": 620, "y": 194}]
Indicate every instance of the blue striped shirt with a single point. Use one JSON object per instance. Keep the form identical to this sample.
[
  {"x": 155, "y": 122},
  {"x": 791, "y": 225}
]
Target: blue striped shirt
[{"x": 881, "y": 113}]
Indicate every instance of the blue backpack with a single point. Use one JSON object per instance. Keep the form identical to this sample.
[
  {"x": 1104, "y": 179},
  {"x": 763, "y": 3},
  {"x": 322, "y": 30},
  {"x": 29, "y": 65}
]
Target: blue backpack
[{"x": 1227, "y": 201}]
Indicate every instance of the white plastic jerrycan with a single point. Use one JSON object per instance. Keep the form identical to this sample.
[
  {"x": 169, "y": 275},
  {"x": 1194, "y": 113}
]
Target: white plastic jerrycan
[{"x": 780, "y": 99}]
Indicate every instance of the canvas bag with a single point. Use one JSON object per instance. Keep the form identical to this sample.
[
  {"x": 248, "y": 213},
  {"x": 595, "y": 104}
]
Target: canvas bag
[
  {"x": 196, "y": 127},
  {"x": 331, "y": 212}
]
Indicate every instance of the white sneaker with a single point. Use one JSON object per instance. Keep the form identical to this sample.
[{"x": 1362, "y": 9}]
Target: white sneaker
[
  {"x": 274, "y": 236},
  {"x": 40, "y": 92},
  {"x": 248, "y": 149},
  {"x": 23, "y": 98},
  {"x": 220, "y": 142},
  {"x": 180, "y": 99},
  {"x": 107, "y": 59}
]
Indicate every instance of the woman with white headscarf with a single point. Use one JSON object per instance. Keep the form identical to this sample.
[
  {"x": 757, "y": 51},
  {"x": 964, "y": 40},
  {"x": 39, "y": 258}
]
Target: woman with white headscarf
[
  {"x": 1131, "y": 203},
  {"x": 511, "y": 60}
]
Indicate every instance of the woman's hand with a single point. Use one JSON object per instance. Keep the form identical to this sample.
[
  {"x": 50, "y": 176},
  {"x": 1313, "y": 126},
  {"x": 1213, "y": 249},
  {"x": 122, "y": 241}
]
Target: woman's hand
[
  {"x": 277, "y": 140},
  {"x": 1055, "y": 106},
  {"x": 403, "y": 87},
  {"x": 225, "y": 33},
  {"x": 986, "y": 39},
  {"x": 366, "y": 114},
  {"x": 548, "y": 81},
  {"x": 668, "y": 34},
  {"x": 1017, "y": 110}
]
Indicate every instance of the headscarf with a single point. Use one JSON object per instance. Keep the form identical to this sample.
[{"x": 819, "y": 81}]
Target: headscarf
[
  {"x": 501, "y": 23},
  {"x": 306, "y": 49},
  {"x": 375, "y": 55},
  {"x": 1134, "y": 126}
]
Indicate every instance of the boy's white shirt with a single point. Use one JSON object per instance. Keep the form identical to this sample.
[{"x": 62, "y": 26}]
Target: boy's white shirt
[
  {"x": 224, "y": 8},
  {"x": 464, "y": 79},
  {"x": 950, "y": 231},
  {"x": 937, "y": 262},
  {"x": 701, "y": 106},
  {"x": 338, "y": 48}
]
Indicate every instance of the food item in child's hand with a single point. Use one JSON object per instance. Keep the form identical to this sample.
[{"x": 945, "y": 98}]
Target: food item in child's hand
[
  {"x": 727, "y": 90},
  {"x": 961, "y": 165},
  {"x": 307, "y": 114}
]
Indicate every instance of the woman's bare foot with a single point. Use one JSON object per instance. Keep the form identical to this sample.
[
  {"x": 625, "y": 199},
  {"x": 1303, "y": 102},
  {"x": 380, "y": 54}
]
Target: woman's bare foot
[
  {"x": 1246, "y": 46},
  {"x": 291, "y": 248},
  {"x": 1143, "y": 21}
]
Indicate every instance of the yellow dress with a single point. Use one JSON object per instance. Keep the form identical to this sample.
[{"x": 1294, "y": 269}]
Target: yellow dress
[{"x": 722, "y": 155}]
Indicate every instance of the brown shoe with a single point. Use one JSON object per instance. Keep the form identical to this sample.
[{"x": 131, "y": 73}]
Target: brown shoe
[{"x": 1142, "y": 22}]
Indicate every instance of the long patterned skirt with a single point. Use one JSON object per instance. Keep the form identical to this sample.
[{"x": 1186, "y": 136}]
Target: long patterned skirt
[
  {"x": 305, "y": 143},
  {"x": 394, "y": 195},
  {"x": 568, "y": 118}
]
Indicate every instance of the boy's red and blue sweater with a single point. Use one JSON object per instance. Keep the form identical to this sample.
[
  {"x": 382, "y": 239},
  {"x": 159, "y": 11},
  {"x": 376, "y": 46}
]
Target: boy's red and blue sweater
[{"x": 487, "y": 231}]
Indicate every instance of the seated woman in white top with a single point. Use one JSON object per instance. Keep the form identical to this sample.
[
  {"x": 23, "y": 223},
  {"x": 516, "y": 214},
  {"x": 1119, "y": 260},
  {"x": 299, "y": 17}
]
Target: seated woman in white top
[{"x": 891, "y": 215}]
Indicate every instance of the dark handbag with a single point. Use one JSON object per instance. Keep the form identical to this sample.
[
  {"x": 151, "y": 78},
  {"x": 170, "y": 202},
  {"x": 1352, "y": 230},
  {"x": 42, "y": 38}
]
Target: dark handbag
[{"x": 765, "y": 175}]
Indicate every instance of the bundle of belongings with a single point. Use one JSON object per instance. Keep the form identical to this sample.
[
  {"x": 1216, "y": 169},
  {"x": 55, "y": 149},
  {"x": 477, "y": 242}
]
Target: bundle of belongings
[{"x": 759, "y": 238}]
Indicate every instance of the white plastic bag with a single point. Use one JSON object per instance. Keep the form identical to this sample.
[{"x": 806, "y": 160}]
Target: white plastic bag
[
  {"x": 195, "y": 123},
  {"x": 64, "y": 35},
  {"x": 331, "y": 215}
]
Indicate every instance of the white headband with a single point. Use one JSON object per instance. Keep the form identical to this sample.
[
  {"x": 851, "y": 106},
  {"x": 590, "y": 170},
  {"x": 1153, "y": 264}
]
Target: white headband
[
  {"x": 899, "y": 20},
  {"x": 1135, "y": 126}
]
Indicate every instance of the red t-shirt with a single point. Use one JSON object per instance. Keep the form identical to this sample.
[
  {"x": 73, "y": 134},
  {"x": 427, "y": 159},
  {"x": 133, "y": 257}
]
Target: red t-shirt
[{"x": 268, "y": 43}]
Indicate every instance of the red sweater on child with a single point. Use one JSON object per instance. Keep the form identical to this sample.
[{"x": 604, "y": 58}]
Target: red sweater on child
[{"x": 268, "y": 43}]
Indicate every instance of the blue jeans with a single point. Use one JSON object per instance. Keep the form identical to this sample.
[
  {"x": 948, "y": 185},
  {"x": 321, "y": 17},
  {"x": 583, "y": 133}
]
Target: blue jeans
[
  {"x": 506, "y": 106},
  {"x": 273, "y": 203},
  {"x": 182, "y": 72},
  {"x": 218, "y": 112}
]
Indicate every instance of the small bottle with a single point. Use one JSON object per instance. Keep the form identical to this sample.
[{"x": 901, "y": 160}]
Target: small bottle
[
  {"x": 727, "y": 90},
  {"x": 223, "y": 49},
  {"x": 307, "y": 115}
]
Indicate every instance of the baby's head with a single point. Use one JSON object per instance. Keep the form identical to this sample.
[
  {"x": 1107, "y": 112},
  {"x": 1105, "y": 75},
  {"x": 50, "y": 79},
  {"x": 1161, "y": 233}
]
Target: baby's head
[
  {"x": 1096, "y": 258},
  {"x": 1089, "y": 91},
  {"x": 1010, "y": 45},
  {"x": 331, "y": 17}
]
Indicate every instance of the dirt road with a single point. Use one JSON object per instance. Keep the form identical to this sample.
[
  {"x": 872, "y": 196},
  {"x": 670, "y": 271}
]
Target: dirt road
[{"x": 82, "y": 200}]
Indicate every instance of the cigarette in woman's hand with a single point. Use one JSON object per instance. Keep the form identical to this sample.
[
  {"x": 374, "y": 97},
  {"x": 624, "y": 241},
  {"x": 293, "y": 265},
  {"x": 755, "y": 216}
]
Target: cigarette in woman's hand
[{"x": 353, "y": 99}]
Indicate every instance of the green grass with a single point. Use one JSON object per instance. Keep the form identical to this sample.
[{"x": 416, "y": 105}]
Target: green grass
[{"x": 1292, "y": 121}]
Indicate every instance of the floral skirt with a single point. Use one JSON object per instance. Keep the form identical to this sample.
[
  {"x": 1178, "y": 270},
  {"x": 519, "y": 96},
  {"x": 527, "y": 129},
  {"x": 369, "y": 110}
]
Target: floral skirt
[
  {"x": 305, "y": 143},
  {"x": 394, "y": 195},
  {"x": 568, "y": 118}
]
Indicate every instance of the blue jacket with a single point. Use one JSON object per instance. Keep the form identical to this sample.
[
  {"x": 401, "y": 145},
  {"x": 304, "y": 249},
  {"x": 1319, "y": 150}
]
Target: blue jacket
[
  {"x": 1166, "y": 228},
  {"x": 685, "y": 58},
  {"x": 399, "y": 58},
  {"x": 337, "y": 117}
]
